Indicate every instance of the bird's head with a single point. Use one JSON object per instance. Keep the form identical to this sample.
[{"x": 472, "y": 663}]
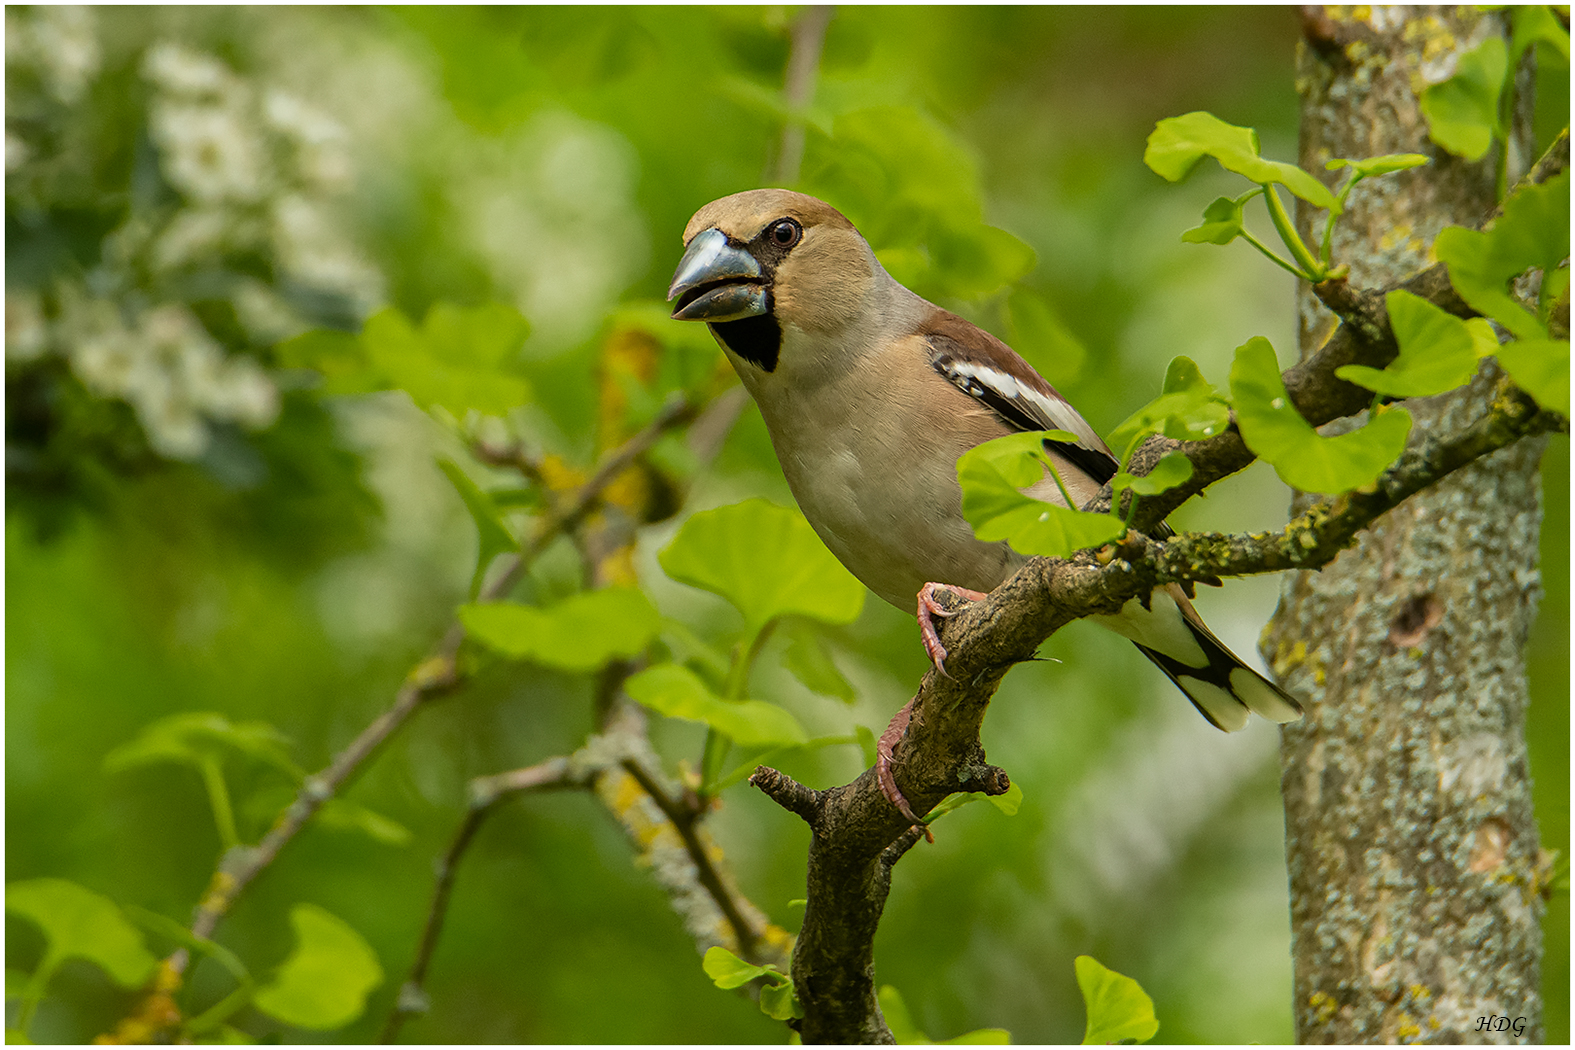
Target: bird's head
[{"x": 762, "y": 259}]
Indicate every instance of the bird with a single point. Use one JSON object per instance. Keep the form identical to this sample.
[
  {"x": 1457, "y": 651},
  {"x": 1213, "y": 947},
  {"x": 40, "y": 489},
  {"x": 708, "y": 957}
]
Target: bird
[{"x": 870, "y": 394}]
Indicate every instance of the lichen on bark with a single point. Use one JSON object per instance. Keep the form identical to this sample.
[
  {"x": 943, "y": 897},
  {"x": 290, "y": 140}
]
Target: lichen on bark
[{"x": 1411, "y": 844}]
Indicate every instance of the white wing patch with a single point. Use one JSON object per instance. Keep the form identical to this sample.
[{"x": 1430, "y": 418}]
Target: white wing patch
[{"x": 1053, "y": 412}]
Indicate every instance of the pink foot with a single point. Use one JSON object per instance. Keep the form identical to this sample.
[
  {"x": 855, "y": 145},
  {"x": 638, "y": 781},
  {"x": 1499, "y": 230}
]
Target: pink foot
[
  {"x": 883, "y": 758},
  {"x": 929, "y": 607}
]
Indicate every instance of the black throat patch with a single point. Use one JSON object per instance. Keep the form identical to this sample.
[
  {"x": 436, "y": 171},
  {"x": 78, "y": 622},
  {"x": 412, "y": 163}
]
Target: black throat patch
[{"x": 756, "y": 339}]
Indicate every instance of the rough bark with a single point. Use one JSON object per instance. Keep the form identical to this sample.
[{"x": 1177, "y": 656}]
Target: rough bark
[{"x": 1411, "y": 844}]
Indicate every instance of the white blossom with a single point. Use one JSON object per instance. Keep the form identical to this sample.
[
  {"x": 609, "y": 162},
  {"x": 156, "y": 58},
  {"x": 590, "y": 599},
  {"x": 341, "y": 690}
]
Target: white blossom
[
  {"x": 59, "y": 41},
  {"x": 26, "y": 333},
  {"x": 170, "y": 371},
  {"x": 321, "y": 149},
  {"x": 181, "y": 71},
  {"x": 193, "y": 234},
  {"x": 17, "y": 152},
  {"x": 209, "y": 152}
]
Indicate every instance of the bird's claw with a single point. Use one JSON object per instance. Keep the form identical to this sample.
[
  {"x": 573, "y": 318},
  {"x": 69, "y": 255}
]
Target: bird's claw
[
  {"x": 883, "y": 759},
  {"x": 930, "y": 608}
]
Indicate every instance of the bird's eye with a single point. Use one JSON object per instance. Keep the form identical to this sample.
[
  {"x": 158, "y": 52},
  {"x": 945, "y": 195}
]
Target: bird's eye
[{"x": 785, "y": 233}]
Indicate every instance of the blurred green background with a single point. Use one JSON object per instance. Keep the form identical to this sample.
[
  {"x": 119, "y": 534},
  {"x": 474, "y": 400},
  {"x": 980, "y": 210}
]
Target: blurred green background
[{"x": 244, "y": 545}]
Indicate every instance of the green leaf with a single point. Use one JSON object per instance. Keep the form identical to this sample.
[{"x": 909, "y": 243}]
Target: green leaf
[
  {"x": 810, "y": 662},
  {"x": 15, "y": 984},
  {"x": 1187, "y": 409},
  {"x": 1010, "y": 801},
  {"x": 1172, "y": 469},
  {"x": 1272, "y": 428},
  {"x": 192, "y": 737},
  {"x": 1367, "y": 167},
  {"x": 1535, "y": 24},
  {"x": 1222, "y": 222},
  {"x": 979, "y": 1037},
  {"x": 225, "y": 1035},
  {"x": 780, "y": 1002},
  {"x": 728, "y": 971},
  {"x": 1038, "y": 333},
  {"x": 1540, "y": 367},
  {"x": 459, "y": 358},
  {"x": 978, "y": 260},
  {"x": 1462, "y": 112},
  {"x": 1177, "y": 144},
  {"x": 1484, "y": 341},
  {"x": 338, "y": 356},
  {"x": 1438, "y": 352},
  {"x": 898, "y": 1019},
  {"x": 1534, "y": 231},
  {"x": 677, "y": 692},
  {"x": 80, "y": 924},
  {"x": 905, "y": 1031},
  {"x": 867, "y": 741},
  {"x": 1007, "y": 803},
  {"x": 777, "y": 998},
  {"x": 493, "y": 537},
  {"x": 992, "y": 475},
  {"x": 581, "y": 633},
  {"x": 767, "y": 561},
  {"x": 1118, "y": 1008},
  {"x": 324, "y": 982},
  {"x": 340, "y": 814}
]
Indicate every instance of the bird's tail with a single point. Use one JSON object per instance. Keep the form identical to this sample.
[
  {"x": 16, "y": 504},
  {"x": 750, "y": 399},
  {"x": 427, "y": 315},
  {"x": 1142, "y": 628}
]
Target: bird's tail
[{"x": 1223, "y": 689}]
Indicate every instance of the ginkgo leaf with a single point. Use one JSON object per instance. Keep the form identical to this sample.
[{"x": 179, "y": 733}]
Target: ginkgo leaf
[
  {"x": 1304, "y": 459},
  {"x": 767, "y": 561}
]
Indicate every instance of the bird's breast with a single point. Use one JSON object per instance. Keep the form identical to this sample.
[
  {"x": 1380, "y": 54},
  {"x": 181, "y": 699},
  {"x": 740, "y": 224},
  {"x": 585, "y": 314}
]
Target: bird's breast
[{"x": 876, "y": 475}]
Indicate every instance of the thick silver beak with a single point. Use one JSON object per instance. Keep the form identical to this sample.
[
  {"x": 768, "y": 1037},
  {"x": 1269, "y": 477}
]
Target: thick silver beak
[{"x": 717, "y": 282}]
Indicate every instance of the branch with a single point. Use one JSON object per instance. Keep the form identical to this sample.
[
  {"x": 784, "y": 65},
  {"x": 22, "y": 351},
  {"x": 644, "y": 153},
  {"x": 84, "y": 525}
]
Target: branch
[
  {"x": 1362, "y": 338},
  {"x": 809, "y": 36},
  {"x": 486, "y": 794},
  {"x": 433, "y": 676},
  {"x": 854, "y": 825}
]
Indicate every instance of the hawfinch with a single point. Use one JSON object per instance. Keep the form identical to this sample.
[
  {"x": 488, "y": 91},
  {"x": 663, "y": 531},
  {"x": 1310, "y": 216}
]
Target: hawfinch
[{"x": 871, "y": 393}]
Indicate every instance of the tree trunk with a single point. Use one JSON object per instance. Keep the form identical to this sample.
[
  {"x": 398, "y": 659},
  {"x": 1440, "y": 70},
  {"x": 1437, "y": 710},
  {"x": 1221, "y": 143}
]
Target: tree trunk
[{"x": 1410, "y": 840}]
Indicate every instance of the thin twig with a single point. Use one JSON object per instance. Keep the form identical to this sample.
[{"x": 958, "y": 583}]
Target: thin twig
[
  {"x": 486, "y": 795},
  {"x": 683, "y": 817},
  {"x": 431, "y": 677},
  {"x": 809, "y": 36}
]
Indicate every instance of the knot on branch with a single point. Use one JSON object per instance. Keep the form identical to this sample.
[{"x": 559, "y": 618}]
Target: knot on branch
[
  {"x": 789, "y": 793},
  {"x": 992, "y": 780}
]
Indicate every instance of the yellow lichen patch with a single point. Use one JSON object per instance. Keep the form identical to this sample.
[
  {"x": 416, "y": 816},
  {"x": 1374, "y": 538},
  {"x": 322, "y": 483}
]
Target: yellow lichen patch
[
  {"x": 1323, "y": 1007},
  {"x": 154, "y": 1016},
  {"x": 1394, "y": 236},
  {"x": 558, "y": 476},
  {"x": 218, "y": 896},
  {"x": 617, "y": 568},
  {"x": 629, "y": 490},
  {"x": 1288, "y": 657},
  {"x": 628, "y": 354},
  {"x": 432, "y": 671}
]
